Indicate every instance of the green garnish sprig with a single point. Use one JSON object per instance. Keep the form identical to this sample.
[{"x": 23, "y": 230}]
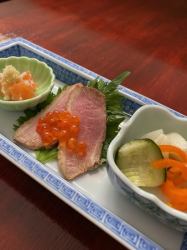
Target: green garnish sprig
[
  {"x": 46, "y": 155},
  {"x": 114, "y": 106}
]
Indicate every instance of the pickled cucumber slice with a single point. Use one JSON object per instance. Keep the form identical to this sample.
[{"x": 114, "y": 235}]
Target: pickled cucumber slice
[{"x": 134, "y": 160}]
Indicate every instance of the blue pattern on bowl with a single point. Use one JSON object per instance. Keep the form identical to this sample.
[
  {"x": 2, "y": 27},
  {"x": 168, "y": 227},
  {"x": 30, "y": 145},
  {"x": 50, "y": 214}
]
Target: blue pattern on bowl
[
  {"x": 130, "y": 131},
  {"x": 145, "y": 204}
]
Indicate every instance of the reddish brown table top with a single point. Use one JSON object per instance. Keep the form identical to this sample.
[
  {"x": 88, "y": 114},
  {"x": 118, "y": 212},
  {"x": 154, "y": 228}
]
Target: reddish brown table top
[{"x": 147, "y": 37}]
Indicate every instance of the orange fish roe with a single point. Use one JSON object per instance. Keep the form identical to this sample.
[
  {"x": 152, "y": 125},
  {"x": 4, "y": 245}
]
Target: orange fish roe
[{"x": 63, "y": 128}]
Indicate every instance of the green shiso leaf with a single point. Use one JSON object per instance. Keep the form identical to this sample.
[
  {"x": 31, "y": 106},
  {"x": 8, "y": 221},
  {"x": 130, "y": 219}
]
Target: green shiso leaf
[{"x": 114, "y": 106}]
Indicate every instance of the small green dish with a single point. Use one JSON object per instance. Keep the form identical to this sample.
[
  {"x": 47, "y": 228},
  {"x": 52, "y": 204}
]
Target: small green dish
[{"x": 42, "y": 74}]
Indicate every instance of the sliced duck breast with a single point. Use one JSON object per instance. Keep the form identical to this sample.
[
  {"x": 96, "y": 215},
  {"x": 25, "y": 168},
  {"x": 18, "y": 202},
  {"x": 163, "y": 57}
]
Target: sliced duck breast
[
  {"x": 89, "y": 105},
  {"x": 26, "y": 134}
]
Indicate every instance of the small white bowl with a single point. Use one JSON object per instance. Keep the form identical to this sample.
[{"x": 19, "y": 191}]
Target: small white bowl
[{"x": 147, "y": 119}]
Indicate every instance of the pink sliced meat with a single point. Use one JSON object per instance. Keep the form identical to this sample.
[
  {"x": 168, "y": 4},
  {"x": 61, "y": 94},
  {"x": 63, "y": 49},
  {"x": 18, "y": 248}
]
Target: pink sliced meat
[
  {"x": 27, "y": 135},
  {"x": 89, "y": 105}
]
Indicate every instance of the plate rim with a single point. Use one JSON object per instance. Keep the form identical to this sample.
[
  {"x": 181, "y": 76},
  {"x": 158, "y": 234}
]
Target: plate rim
[{"x": 37, "y": 172}]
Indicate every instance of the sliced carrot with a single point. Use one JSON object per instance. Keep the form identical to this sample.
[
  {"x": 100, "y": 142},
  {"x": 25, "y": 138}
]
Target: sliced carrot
[
  {"x": 174, "y": 187},
  {"x": 167, "y": 163},
  {"x": 177, "y": 196},
  {"x": 177, "y": 177},
  {"x": 174, "y": 150}
]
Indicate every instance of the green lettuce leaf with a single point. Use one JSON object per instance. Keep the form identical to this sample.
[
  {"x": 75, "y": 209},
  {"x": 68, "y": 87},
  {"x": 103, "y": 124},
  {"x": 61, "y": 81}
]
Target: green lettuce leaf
[{"x": 46, "y": 155}]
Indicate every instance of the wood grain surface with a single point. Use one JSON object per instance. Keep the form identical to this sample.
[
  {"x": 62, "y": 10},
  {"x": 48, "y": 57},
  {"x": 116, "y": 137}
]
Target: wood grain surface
[{"x": 149, "y": 38}]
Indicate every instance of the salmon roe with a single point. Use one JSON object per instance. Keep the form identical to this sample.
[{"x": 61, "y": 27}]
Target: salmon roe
[{"x": 62, "y": 128}]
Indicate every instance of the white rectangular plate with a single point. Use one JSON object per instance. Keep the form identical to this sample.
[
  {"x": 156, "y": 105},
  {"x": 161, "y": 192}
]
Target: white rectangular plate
[{"x": 92, "y": 194}]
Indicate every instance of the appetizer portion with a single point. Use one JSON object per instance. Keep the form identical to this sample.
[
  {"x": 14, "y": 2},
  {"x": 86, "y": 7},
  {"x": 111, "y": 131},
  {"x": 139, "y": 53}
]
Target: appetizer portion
[
  {"x": 157, "y": 159},
  {"x": 84, "y": 104},
  {"x": 27, "y": 135},
  {"x": 89, "y": 105},
  {"x": 74, "y": 126},
  {"x": 16, "y": 86}
]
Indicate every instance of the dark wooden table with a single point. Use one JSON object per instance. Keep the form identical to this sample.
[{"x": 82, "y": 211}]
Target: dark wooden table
[{"x": 147, "y": 37}]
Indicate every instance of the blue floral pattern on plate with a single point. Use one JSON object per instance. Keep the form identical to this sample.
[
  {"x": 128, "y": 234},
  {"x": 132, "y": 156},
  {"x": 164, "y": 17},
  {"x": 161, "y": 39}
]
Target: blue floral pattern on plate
[
  {"x": 36, "y": 170},
  {"x": 66, "y": 71}
]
